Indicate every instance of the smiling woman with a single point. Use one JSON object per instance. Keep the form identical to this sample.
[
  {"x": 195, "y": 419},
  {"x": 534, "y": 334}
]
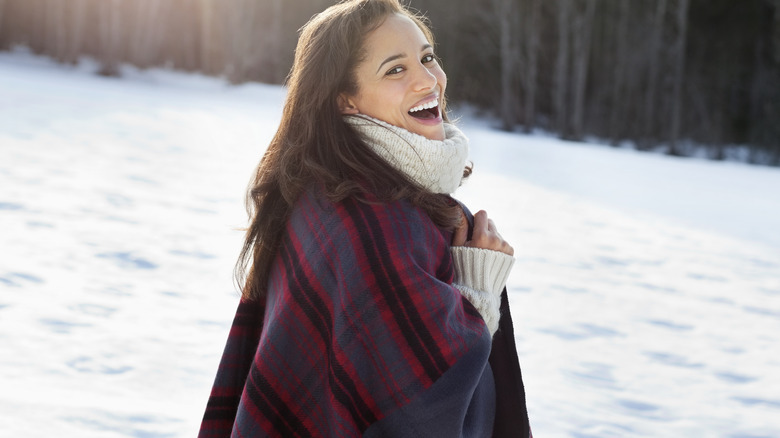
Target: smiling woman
[
  {"x": 400, "y": 80},
  {"x": 373, "y": 302}
]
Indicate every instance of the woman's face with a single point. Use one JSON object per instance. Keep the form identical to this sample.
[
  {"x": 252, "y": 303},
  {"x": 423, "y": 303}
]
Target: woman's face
[{"x": 399, "y": 80}]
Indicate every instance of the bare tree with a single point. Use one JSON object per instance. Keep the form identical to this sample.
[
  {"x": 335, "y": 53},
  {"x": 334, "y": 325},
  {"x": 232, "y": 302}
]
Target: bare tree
[
  {"x": 2, "y": 16},
  {"x": 681, "y": 22},
  {"x": 621, "y": 71},
  {"x": 560, "y": 88},
  {"x": 149, "y": 33},
  {"x": 580, "y": 58},
  {"x": 505, "y": 11},
  {"x": 211, "y": 39},
  {"x": 653, "y": 62},
  {"x": 775, "y": 38},
  {"x": 76, "y": 16},
  {"x": 276, "y": 41},
  {"x": 243, "y": 51},
  {"x": 110, "y": 35},
  {"x": 33, "y": 26},
  {"x": 530, "y": 69},
  {"x": 54, "y": 27}
]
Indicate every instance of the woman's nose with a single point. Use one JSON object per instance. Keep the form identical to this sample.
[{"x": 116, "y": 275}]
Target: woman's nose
[{"x": 424, "y": 79}]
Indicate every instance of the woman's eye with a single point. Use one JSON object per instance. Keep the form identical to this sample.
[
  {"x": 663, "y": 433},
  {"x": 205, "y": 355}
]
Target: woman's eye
[
  {"x": 428, "y": 58},
  {"x": 395, "y": 70}
]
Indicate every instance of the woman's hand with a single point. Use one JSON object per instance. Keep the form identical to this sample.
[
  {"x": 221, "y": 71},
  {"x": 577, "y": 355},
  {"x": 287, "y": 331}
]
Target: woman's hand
[{"x": 485, "y": 235}]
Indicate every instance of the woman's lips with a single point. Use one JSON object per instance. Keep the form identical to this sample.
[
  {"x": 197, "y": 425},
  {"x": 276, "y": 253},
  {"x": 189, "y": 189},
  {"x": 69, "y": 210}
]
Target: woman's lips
[{"x": 428, "y": 111}]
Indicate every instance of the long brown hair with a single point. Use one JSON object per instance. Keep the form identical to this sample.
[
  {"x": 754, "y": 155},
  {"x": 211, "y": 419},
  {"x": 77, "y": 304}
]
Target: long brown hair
[{"x": 314, "y": 145}]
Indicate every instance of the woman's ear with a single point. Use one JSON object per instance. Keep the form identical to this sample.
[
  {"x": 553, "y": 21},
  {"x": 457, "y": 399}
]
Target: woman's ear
[{"x": 346, "y": 105}]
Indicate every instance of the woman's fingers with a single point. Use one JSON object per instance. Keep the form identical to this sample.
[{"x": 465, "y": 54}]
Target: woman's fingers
[
  {"x": 486, "y": 235},
  {"x": 480, "y": 220},
  {"x": 459, "y": 237}
]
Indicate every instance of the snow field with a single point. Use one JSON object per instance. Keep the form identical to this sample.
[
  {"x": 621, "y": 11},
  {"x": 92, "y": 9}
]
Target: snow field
[{"x": 645, "y": 293}]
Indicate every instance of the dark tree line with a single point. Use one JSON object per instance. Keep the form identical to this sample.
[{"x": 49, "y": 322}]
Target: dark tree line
[{"x": 663, "y": 74}]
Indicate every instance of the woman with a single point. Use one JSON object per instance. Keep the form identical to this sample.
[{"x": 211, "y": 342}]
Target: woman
[{"x": 369, "y": 307}]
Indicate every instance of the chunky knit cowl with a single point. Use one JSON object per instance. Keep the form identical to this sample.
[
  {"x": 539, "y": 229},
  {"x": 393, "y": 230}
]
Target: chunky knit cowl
[{"x": 435, "y": 165}]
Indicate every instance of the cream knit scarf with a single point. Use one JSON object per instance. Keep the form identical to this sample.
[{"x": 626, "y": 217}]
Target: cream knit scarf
[{"x": 436, "y": 165}]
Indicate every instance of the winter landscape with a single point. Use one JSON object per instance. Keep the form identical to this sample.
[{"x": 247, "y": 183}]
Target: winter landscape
[{"x": 646, "y": 293}]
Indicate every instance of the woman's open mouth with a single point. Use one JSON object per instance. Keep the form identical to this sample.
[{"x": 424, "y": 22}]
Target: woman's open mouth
[{"x": 426, "y": 111}]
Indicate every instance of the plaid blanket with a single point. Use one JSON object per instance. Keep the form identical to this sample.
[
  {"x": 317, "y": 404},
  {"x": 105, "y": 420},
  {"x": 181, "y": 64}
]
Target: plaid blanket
[{"x": 361, "y": 334}]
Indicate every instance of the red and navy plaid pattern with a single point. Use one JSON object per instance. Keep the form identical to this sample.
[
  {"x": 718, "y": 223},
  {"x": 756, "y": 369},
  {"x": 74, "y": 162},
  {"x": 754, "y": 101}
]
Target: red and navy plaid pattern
[{"x": 360, "y": 320}]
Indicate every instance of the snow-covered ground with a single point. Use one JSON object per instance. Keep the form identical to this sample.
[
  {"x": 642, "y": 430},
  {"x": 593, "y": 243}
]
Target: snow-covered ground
[{"x": 646, "y": 294}]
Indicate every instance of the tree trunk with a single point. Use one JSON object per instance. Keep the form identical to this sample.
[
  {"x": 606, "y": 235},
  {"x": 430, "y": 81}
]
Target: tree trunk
[
  {"x": 562, "y": 68},
  {"x": 150, "y": 35},
  {"x": 62, "y": 32},
  {"x": 775, "y": 33},
  {"x": 211, "y": 39},
  {"x": 75, "y": 22},
  {"x": 245, "y": 52},
  {"x": 51, "y": 27},
  {"x": 584, "y": 31},
  {"x": 679, "y": 74},
  {"x": 532, "y": 48},
  {"x": 277, "y": 39},
  {"x": 35, "y": 34},
  {"x": 233, "y": 40},
  {"x": 618, "y": 101},
  {"x": 3, "y": 28},
  {"x": 503, "y": 10},
  {"x": 654, "y": 59},
  {"x": 110, "y": 37}
]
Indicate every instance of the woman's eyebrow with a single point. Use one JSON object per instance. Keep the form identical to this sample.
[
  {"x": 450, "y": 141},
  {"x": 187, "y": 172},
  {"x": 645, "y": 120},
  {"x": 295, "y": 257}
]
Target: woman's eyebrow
[
  {"x": 401, "y": 55},
  {"x": 390, "y": 59}
]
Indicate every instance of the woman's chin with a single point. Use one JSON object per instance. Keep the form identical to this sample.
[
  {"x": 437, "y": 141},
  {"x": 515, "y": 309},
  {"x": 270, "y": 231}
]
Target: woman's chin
[
  {"x": 432, "y": 129},
  {"x": 438, "y": 136},
  {"x": 435, "y": 134}
]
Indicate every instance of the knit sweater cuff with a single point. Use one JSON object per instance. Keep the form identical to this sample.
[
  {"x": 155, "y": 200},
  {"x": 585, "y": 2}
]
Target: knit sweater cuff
[{"x": 480, "y": 276}]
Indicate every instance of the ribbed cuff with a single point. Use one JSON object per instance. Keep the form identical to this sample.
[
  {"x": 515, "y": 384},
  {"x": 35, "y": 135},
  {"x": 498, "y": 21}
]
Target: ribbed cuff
[
  {"x": 481, "y": 269},
  {"x": 480, "y": 276},
  {"x": 488, "y": 305}
]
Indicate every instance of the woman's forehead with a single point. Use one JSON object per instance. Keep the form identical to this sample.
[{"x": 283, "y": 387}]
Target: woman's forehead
[{"x": 397, "y": 32}]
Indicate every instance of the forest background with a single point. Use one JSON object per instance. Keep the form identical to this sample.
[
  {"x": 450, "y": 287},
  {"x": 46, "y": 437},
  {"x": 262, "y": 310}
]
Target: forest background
[{"x": 675, "y": 76}]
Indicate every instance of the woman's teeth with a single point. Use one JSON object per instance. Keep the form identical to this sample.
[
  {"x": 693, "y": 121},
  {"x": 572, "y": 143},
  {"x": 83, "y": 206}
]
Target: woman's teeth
[{"x": 429, "y": 105}]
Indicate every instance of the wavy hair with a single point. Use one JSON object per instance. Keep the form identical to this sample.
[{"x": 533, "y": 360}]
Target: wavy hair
[{"x": 313, "y": 144}]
